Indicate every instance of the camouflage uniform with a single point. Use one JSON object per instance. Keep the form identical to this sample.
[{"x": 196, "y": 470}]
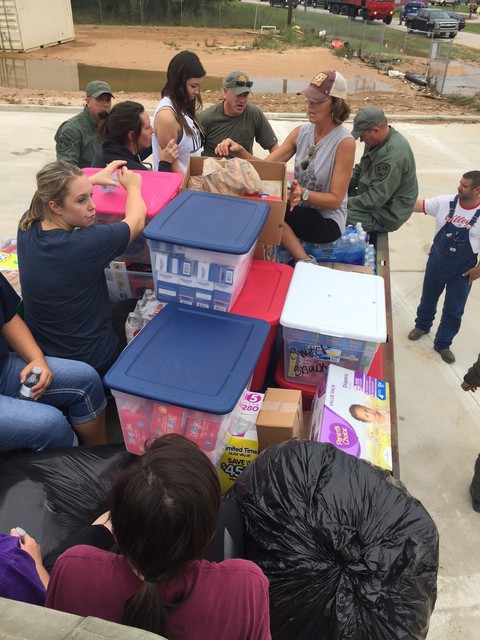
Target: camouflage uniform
[{"x": 76, "y": 139}]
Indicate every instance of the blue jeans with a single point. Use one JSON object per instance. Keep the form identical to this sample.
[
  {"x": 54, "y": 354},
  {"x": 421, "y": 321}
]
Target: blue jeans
[
  {"x": 74, "y": 397},
  {"x": 441, "y": 274}
]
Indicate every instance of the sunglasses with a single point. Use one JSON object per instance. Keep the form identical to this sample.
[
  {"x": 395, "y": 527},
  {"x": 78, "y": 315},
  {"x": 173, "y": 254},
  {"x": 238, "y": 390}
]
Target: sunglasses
[
  {"x": 311, "y": 151},
  {"x": 242, "y": 83}
]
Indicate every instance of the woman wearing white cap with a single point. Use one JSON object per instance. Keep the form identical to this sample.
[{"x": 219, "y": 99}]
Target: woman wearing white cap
[{"x": 324, "y": 155}]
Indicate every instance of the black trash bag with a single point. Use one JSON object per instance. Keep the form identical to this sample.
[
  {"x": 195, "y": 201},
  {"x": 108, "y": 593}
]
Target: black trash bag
[
  {"x": 54, "y": 493},
  {"x": 349, "y": 553}
]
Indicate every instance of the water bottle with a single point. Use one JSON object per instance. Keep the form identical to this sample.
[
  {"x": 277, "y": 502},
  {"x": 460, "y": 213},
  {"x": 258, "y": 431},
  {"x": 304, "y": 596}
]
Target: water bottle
[{"x": 25, "y": 391}]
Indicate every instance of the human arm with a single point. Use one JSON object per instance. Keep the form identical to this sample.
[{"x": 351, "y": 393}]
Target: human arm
[
  {"x": 471, "y": 379},
  {"x": 418, "y": 206},
  {"x": 68, "y": 144},
  {"x": 20, "y": 340},
  {"x": 135, "y": 207},
  {"x": 168, "y": 156},
  {"x": 29, "y": 544},
  {"x": 167, "y": 127},
  {"x": 281, "y": 153},
  {"x": 342, "y": 169},
  {"x": 473, "y": 274}
]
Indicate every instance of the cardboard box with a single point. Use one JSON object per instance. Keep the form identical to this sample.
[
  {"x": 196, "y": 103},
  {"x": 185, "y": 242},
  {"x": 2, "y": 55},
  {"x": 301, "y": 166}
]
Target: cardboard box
[
  {"x": 342, "y": 266},
  {"x": 352, "y": 411},
  {"x": 272, "y": 230},
  {"x": 281, "y": 417}
]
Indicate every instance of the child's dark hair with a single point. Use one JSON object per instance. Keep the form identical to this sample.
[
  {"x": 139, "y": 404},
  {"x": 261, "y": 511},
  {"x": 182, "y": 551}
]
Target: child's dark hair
[{"x": 164, "y": 512}]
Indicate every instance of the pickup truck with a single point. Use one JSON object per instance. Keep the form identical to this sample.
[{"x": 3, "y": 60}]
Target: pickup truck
[{"x": 433, "y": 22}]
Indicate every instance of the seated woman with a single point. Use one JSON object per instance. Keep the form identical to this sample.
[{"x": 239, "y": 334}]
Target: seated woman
[
  {"x": 164, "y": 511},
  {"x": 127, "y": 135},
  {"x": 68, "y": 394},
  {"x": 324, "y": 155},
  {"x": 175, "y": 115},
  {"x": 62, "y": 255},
  {"x": 22, "y": 575}
]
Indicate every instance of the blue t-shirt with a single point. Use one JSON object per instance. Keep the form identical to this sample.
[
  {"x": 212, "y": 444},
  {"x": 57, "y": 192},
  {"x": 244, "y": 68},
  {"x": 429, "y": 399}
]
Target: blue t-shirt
[
  {"x": 65, "y": 293},
  {"x": 8, "y": 308}
]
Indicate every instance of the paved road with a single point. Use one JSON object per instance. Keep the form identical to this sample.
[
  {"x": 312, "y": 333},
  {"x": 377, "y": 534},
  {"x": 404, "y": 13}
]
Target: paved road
[{"x": 466, "y": 39}]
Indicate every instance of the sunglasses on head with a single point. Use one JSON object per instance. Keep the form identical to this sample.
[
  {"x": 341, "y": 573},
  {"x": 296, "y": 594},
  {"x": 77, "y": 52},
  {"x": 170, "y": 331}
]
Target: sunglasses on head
[
  {"x": 243, "y": 83},
  {"x": 311, "y": 151}
]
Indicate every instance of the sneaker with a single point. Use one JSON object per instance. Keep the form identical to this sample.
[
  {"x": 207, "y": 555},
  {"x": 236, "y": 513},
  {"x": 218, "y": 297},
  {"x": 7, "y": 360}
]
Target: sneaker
[
  {"x": 416, "y": 333},
  {"x": 475, "y": 502},
  {"x": 447, "y": 355},
  {"x": 309, "y": 260}
]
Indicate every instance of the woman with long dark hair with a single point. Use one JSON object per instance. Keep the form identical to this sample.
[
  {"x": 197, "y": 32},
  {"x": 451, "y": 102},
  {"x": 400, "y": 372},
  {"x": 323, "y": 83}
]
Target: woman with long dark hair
[
  {"x": 164, "y": 512},
  {"x": 175, "y": 115},
  {"x": 127, "y": 135}
]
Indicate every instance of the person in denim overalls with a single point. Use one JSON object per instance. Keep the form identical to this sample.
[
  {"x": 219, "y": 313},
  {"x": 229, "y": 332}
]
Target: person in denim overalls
[{"x": 452, "y": 263}]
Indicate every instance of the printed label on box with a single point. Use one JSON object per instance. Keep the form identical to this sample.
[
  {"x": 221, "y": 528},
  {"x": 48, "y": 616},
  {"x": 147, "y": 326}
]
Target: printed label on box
[{"x": 352, "y": 412}]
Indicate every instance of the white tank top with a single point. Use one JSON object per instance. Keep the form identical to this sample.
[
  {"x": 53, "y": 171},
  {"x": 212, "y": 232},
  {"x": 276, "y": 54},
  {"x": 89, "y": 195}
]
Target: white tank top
[{"x": 188, "y": 145}]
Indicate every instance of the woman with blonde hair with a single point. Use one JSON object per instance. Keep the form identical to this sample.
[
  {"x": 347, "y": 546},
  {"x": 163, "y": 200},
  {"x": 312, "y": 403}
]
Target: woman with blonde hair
[{"x": 62, "y": 255}]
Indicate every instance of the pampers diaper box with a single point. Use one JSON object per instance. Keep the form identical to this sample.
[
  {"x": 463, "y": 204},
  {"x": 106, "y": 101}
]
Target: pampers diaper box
[{"x": 352, "y": 411}]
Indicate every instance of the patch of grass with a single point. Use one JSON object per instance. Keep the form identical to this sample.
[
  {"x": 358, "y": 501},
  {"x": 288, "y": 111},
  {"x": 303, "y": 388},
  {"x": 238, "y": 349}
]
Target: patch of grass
[{"x": 472, "y": 102}]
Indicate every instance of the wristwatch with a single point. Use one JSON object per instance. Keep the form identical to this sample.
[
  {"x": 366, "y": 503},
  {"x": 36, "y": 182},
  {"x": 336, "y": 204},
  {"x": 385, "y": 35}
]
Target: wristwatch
[{"x": 305, "y": 195}]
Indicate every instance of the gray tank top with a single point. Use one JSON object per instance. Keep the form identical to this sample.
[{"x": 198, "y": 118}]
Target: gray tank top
[{"x": 318, "y": 175}]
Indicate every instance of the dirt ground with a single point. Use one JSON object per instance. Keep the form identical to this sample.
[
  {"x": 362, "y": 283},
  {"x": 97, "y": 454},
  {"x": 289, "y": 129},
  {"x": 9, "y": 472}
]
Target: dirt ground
[{"x": 221, "y": 51}]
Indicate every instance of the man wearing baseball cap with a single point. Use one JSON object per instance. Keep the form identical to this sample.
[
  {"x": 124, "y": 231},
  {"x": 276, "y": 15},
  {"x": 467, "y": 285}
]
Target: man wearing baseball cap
[
  {"x": 383, "y": 188},
  {"x": 76, "y": 139},
  {"x": 234, "y": 120}
]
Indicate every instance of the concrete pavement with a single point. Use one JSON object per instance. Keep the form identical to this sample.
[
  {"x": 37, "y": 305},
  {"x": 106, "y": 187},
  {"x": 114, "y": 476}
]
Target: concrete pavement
[{"x": 438, "y": 423}]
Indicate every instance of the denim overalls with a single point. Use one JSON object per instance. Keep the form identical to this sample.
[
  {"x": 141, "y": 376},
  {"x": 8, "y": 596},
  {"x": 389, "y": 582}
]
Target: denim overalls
[{"x": 451, "y": 256}]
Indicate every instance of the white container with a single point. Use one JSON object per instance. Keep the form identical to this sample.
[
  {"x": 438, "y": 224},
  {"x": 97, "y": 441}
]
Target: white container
[
  {"x": 331, "y": 316},
  {"x": 28, "y": 24}
]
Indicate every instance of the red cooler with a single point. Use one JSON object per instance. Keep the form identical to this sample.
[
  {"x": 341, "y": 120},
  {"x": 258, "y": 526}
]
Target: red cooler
[
  {"x": 308, "y": 390},
  {"x": 262, "y": 297}
]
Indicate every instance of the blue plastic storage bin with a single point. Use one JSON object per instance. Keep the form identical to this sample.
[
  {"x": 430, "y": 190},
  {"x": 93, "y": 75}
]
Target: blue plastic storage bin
[
  {"x": 201, "y": 248},
  {"x": 184, "y": 373}
]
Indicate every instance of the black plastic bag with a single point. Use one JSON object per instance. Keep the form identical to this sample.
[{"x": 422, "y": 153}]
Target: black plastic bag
[
  {"x": 348, "y": 552},
  {"x": 54, "y": 493}
]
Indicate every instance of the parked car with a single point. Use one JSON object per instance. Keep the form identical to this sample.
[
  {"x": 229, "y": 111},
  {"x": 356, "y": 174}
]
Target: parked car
[
  {"x": 460, "y": 17},
  {"x": 410, "y": 9},
  {"x": 442, "y": 3},
  {"x": 433, "y": 22}
]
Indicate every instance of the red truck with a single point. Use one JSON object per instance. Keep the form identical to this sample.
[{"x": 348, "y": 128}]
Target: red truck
[{"x": 366, "y": 9}]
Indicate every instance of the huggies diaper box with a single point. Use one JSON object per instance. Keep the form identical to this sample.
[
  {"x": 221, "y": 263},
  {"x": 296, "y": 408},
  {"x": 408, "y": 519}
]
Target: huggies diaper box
[{"x": 352, "y": 411}]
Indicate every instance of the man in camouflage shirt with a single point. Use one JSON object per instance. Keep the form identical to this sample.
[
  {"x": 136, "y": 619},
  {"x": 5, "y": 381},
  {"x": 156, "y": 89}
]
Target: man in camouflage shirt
[
  {"x": 76, "y": 139},
  {"x": 383, "y": 188}
]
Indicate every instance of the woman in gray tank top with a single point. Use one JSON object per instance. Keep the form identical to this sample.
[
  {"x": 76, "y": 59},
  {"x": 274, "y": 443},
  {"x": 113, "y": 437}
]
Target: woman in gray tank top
[{"x": 324, "y": 155}]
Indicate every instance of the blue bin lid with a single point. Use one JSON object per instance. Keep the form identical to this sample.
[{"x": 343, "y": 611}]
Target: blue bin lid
[
  {"x": 209, "y": 221},
  {"x": 191, "y": 357}
]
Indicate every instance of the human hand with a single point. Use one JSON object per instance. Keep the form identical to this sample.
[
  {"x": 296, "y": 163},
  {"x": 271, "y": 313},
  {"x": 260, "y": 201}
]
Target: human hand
[
  {"x": 45, "y": 380},
  {"x": 229, "y": 147},
  {"x": 295, "y": 194},
  {"x": 28, "y": 544},
  {"x": 170, "y": 152},
  {"x": 468, "y": 387},
  {"x": 129, "y": 179},
  {"x": 473, "y": 274},
  {"x": 105, "y": 176}
]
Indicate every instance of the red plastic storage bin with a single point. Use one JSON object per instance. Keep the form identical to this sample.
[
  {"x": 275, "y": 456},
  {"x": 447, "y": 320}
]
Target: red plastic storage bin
[{"x": 262, "y": 297}]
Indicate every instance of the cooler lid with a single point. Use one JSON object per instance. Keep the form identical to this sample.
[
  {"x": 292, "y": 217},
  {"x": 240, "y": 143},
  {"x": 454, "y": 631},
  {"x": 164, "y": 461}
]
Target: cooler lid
[
  {"x": 210, "y": 221},
  {"x": 195, "y": 358},
  {"x": 343, "y": 304},
  {"x": 263, "y": 294},
  {"x": 158, "y": 188}
]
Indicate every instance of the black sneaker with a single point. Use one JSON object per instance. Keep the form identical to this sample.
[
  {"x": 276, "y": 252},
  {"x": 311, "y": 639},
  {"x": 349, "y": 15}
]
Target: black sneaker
[{"x": 475, "y": 502}]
